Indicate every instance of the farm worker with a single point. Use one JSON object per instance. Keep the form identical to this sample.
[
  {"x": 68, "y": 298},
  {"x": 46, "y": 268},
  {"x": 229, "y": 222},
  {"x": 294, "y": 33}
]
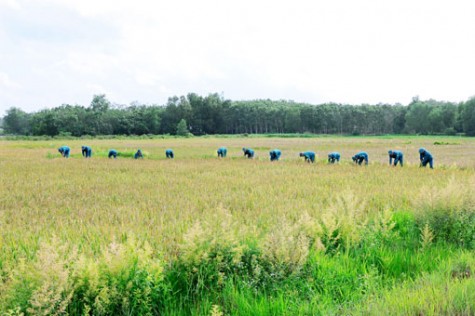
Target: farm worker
[
  {"x": 334, "y": 156},
  {"x": 248, "y": 152},
  {"x": 426, "y": 158},
  {"x": 274, "y": 154},
  {"x": 309, "y": 156},
  {"x": 397, "y": 155},
  {"x": 169, "y": 153},
  {"x": 64, "y": 151},
  {"x": 86, "y": 151},
  {"x": 113, "y": 153},
  {"x": 359, "y": 157},
  {"x": 138, "y": 154},
  {"x": 222, "y": 151}
]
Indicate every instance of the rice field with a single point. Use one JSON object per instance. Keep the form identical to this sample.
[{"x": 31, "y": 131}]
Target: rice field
[{"x": 198, "y": 235}]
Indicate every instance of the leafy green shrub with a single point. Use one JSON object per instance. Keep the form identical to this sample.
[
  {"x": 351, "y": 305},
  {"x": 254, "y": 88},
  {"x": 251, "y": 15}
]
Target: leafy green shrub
[
  {"x": 445, "y": 143},
  {"x": 455, "y": 226}
]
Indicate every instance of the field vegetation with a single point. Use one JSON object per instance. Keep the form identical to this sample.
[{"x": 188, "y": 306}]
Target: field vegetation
[{"x": 198, "y": 235}]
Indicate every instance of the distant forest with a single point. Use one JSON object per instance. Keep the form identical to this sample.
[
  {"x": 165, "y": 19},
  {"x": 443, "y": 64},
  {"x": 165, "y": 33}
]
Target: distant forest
[{"x": 212, "y": 114}]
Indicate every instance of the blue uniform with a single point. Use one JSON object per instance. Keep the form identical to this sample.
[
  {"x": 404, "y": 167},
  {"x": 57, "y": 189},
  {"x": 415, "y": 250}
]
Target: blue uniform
[
  {"x": 397, "y": 156},
  {"x": 309, "y": 156},
  {"x": 64, "y": 151},
  {"x": 248, "y": 152},
  {"x": 169, "y": 153},
  {"x": 113, "y": 153},
  {"x": 274, "y": 154},
  {"x": 86, "y": 151},
  {"x": 138, "y": 154},
  {"x": 426, "y": 158},
  {"x": 334, "y": 156},
  {"x": 359, "y": 157},
  {"x": 222, "y": 151}
]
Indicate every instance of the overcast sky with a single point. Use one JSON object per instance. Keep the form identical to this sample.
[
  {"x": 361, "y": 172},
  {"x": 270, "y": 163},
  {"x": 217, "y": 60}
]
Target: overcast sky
[{"x": 346, "y": 51}]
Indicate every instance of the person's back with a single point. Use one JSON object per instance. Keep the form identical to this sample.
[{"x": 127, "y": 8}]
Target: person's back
[
  {"x": 334, "y": 156},
  {"x": 222, "y": 151},
  {"x": 274, "y": 154},
  {"x": 248, "y": 152},
  {"x": 397, "y": 156},
  {"x": 426, "y": 158},
  {"x": 360, "y": 157},
  {"x": 169, "y": 154},
  {"x": 64, "y": 151},
  {"x": 138, "y": 154},
  {"x": 113, "y": 153},
  {"x": 86, "y": 151},
  {"x": 308, "y": 155}
]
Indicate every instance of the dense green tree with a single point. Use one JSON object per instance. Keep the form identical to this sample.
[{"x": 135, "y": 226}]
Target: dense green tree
[
  {"x": 100, "y": 103},
  {"x": 212, "y": 114},
  {"x": 293, "y": 123},
  {"x": 44, "y": 123},
  {"x": 417, "y": 118},
  {"x": 468, "y": 117},
  {"x": 16, "y": 122}
]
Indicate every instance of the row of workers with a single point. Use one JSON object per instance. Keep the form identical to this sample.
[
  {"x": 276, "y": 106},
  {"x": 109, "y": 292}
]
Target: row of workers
[
  {"x": 309, "y": 156},
  {"x": 425, "y": 158},
  {"x": 249, "y": 153},
  {"x": 87, "y": 152}
]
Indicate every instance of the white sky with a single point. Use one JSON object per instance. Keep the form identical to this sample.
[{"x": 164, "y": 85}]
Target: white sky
[{"x": 346, "y": 51}]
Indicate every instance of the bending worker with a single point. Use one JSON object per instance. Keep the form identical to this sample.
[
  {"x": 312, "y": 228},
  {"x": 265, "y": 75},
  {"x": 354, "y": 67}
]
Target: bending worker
[
  {"x": 309, "y": 156},
  {"x": 426, "y": 158},
  {"x": 86, "y": 151},
  {"x": 359, "y": 157},
  {"x": 138, "y": 154},
  {"x": 169, "y": 153},
  {"x": 248, "y": 152},
  {"x": 333, "y": 157},
  {"x": 64, "y": 151},
  {"x": 222, "y": 151},
  {"x": 274, "y": 154},
  {"x": 397, "y": 155},
  {"x": 113, "y": 153}
]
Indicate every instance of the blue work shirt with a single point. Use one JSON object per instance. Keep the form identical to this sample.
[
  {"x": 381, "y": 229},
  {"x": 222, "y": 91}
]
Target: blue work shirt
[
  {"x": 64, "y": 151},
  {"x": 426, "y": 158},
  {"x": 222, "y": 151},
  {"x": 359, "y": 157},
  {"x": 333, "y": 156},
  {"x": 397, "y": 156},
  {"x": 275, "y": 154},
  {"x": 113, "y": 153},
  {"x": 86, "y": 151},
  {"x": 169, "y": 153},
  {"x": 309, "y": 156},
  {"x": 138, "y": 154},
  {"x": 248, "y": 152}
]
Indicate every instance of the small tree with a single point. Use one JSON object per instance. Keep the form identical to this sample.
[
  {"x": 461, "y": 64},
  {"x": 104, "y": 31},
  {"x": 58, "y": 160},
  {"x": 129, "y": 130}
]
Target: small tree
[
  {"x": 182, "y": 129},
  {"x": 16, "y": 122}
]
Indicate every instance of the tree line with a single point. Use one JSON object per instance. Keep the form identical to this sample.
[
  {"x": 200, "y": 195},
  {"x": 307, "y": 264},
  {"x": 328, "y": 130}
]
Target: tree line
[{"x": 212, "y": 114}]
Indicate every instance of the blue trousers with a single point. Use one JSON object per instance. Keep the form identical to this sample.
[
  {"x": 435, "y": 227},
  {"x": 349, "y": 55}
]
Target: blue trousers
[
  {"x": 398, "y": 159},
  {"x": 428, "y": 160}
]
